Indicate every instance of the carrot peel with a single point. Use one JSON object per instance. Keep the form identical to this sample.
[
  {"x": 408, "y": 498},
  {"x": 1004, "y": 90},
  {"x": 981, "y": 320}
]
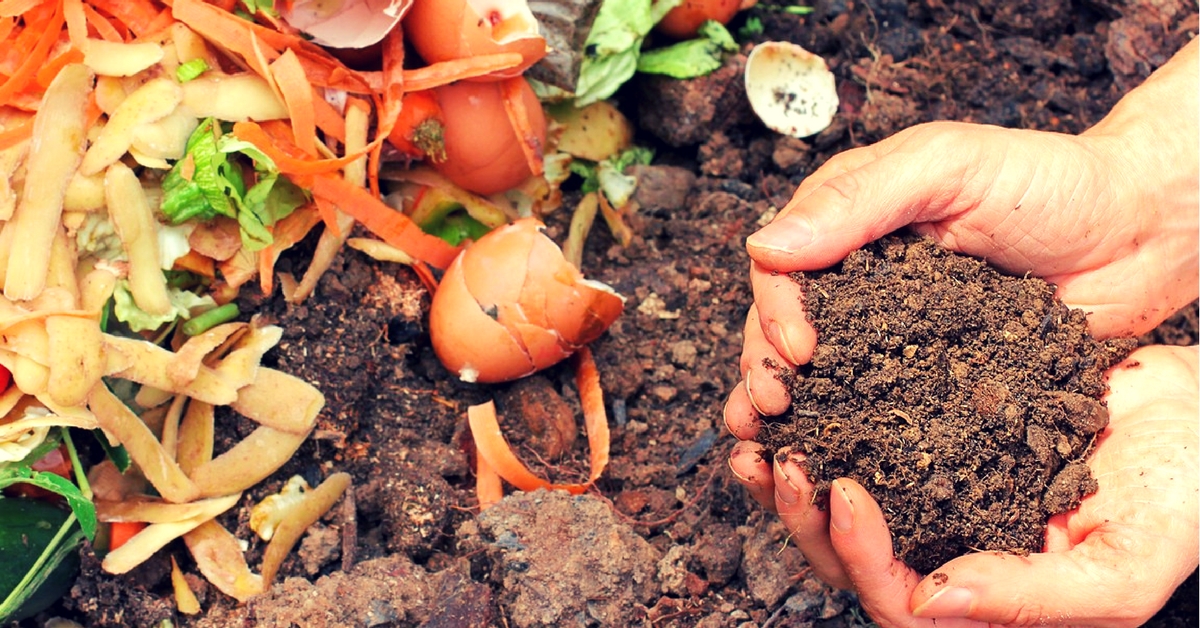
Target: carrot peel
[{"x": 495, "y": 452}]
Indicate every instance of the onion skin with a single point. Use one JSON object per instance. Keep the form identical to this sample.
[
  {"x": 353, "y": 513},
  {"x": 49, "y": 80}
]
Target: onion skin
[
  {"x": 684, "y": 21},
  {"x": 511, "y": 305},
  {"x": 444, "y": 30},
  {"x": 483, "y": 151}
]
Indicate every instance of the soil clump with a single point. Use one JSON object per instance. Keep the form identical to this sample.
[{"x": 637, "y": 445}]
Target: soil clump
[{"x": 963, "y": 399}]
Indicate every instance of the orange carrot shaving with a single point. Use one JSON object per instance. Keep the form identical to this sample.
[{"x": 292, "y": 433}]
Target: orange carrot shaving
[
  {"x": 297, "y": 95},
  {"x": 196, "y": 263},
  {"x": 328, "y": 213},
  {"x": 487, "y": 484},
  {"x": 426, "y": 276},
  {"x": 141, "y": 17},
  {"x": 104, "y": 27},
  {"x": 446, "y": 72},
  {"x": 390, "y": 225},
  {"x": 518, "y": 117},
  {"x": 286, "y": 233},
  {"x": 119, "y": 532},
  {"x": 491, "y": 445},
  {"x": 50, "y": 70},
  {"x": 287, "y": 163},
  {"x": 36, "y": 58},
  {"x": 393, "y": 83},
  {"x": 7, "y": 25},
  {"x": 10, "y": 8},
  {"x": 226, "y": 29}
]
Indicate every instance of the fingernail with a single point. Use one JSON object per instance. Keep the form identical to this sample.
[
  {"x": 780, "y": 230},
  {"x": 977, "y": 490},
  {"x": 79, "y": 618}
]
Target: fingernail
[
  {"x": 787, "y": 492},
  {"x": 790, "y": 233},
  {"x": 949, "y": 602},
  {"x": 841, "y": 515},
  {"x": 780, "y": 341}
]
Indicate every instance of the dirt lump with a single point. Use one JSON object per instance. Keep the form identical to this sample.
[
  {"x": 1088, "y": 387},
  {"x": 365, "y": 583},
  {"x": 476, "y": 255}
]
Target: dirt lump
[{"x": 963, "y": 399}]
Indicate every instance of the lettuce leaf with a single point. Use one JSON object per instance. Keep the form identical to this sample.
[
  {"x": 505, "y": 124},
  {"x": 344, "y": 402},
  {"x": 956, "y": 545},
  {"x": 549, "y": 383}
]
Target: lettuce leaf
[
  {"x": 210, "y": 181},
  {"x": 691, "y": 58},
  {"x": 610, "y": 56}
]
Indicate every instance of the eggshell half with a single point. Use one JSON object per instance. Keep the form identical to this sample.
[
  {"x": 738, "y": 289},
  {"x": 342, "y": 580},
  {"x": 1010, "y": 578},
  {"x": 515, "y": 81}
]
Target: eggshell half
[
  {"x": 345, "y": 23},
  {"x": 790, "y": 89},
  {"x": 510, "y": 305}
]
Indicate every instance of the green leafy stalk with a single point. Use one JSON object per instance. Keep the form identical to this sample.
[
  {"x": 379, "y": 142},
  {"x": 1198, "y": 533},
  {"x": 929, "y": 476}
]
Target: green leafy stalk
[{"x": 211, "y": 318}]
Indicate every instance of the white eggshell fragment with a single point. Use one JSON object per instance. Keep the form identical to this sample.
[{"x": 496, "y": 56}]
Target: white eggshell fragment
[
  {"x": 790, "y": 89},
  {"x": 345, "y": 23}
]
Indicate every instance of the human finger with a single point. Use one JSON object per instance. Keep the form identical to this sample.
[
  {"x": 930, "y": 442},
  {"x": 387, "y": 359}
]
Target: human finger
[
  {"x": 782, "y": 317},
  {"x": 927, "y": 173},
  {"x": 1112, "y": 579},
  {"x": 741, "y": 417},
  {"x": 860, "y": 536},
  {"x": 759, "y": 364},
  {"x": 753, "y": 472},
  {"x": 808, "y": 524}
]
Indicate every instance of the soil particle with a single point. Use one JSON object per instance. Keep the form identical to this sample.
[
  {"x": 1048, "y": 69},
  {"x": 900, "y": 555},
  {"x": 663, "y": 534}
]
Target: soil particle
[
  {"x": 661, "y": 188},
  {"x": 963, "y": 399},
  {"x": 379, "y": 592},
  {"x": 768, "y": 561},
  {"x": 564, "y": 560},
  {"x": 687, "y": 112},
  {"x": 103, "y": 599}
]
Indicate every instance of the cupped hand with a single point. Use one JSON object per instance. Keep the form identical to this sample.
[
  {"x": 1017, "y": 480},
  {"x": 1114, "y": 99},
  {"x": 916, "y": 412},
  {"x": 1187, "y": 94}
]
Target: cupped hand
[
  {"x": 1114, "y": 561},
  {"x": 1072, "y": 210}
]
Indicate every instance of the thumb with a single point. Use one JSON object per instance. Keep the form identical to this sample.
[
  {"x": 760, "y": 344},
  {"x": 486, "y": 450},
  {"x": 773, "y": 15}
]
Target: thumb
[
  {"x": 1111, "y": 579},
  {"x": 865, "y": 193}
]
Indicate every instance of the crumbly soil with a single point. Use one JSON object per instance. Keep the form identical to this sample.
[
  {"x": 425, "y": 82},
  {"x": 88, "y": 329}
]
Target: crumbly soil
[
  {"x": 667, "y": 538},
  {"x": 965, "y": 400}
]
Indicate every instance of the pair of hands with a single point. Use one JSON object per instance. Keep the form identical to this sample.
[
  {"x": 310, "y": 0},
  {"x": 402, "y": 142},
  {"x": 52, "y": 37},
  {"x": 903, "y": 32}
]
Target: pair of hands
[{"x": 1110, "y": 217}]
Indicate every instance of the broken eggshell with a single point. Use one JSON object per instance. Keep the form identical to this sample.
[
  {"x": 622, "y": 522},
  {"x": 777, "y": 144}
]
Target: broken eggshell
[
  {"x": 445, "y": 30},
  {"x": 790, "y": 89},
  {"x": 345, "y": 23},
  {"x": 510, "y": 305}
]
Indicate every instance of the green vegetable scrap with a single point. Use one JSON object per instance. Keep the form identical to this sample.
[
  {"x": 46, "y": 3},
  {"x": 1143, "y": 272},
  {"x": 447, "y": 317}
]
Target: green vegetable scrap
[
  {"x": 183, "y": 303},
  {"x": 608, "y": 176},
  {"x": 210, "y": 181},
  {"x": 191, "y": 70},
  {"x": 691, "y": 58},
  {"x": 614, "y": 44}
]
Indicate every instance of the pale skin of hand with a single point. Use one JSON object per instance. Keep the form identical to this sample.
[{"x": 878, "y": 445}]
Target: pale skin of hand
[{"x": 1110, "y": 217}]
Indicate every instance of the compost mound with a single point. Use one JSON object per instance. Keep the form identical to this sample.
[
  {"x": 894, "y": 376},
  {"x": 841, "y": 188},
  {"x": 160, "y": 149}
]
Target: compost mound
[{"x": 963, "y": 399}]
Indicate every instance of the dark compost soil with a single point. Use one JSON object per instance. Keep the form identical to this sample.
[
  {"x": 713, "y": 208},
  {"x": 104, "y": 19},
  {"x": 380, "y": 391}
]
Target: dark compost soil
[
  {"x": 667, "y": 538},
  {"x": 963, "y": 399}
]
